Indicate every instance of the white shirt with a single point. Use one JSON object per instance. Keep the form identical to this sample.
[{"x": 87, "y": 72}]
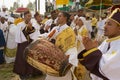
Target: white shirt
[
  {"x": 100, "y": 25},
  {"x": 11, "y": 44},
  {"x": 49, "y": 22},
  {"x": 20, "y": 37},
  {"x": 110, "y": 60}
]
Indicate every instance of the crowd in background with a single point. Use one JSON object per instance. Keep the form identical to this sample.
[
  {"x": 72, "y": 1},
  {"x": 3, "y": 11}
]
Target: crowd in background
[{"x": 16, "y": 33}]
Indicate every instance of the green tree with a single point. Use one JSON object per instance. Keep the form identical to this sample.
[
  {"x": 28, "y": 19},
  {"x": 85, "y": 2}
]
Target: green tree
[
  {"x": 30, "y": 6},
  {"x": 11, "y": 9},
  {"x": 83, "y": 2},
  {"x": 15, "y": 5}
]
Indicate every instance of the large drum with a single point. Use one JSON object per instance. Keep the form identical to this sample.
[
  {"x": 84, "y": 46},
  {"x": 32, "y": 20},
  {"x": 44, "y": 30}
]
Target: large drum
[{"x": 47, "y": 58}]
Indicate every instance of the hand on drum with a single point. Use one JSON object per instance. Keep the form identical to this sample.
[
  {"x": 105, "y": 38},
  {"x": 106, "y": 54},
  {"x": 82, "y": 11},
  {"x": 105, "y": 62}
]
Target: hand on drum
[{"x": 89, "y": 43}]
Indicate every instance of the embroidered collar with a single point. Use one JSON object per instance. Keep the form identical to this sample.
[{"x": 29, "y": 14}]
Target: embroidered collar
[{"x": 113, "y": 39}]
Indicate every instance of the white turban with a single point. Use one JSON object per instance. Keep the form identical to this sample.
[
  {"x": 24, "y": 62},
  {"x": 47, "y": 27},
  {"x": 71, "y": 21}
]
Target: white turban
[
  {"x": 83, "y": 20},
  {"x": 3, "y": 6},
  {"x": 2, "y": 15},
  {"x": 10, "y": 19}
]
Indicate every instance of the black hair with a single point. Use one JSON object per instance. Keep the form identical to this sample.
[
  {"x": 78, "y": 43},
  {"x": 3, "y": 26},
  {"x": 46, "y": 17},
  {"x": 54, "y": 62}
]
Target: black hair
[
  {"x": 80, "y": 10},
  {"x": 53, "y": 11},
  {"x": 67, "y": 15},
  {"x": 36, "y": 14},
  {"x": 27, "y": 12}
]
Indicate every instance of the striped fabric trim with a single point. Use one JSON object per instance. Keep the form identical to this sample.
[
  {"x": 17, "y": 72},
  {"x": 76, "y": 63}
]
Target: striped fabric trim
[
  {"x": 88, "y": 52},
  {"x": 115, "y": 21},
  {"x": 112, "y": 39},
  {"x": 81, "y": 59}
]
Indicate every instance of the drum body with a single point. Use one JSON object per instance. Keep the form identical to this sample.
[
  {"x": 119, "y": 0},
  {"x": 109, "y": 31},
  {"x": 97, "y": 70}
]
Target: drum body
[{"x": 46, "y": 57}]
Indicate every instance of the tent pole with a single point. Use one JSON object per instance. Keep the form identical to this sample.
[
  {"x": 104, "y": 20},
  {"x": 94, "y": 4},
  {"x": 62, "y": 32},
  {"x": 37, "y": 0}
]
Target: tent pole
[{"x": 100, "y": 8}]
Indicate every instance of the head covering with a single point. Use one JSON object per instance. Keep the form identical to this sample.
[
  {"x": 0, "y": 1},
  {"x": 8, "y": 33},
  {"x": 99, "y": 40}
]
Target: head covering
[
  {"x": 83, "y": 20},
  {"x": 49, "y": 16},
  {"x": 7, "y": 16},
  {"x": 26, "y": 12},
  {"x": 103, "y": 15},
  {"x": 3, "y": 6},
  {"x": 87, "y": 15},
  {"x": 36, "y": 14},
  {"x": 10, "y": 19},
  {"x": 2, "y": 15},
  {"x": 75, "y": 17},
  {"x": 115, "y": 16}
]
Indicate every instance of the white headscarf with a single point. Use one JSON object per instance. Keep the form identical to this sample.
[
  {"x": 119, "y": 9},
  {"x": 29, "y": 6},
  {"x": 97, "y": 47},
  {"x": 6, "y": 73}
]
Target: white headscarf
[
  {"x": 10, "y": 19},
  {"x": 83, "y": 20}
]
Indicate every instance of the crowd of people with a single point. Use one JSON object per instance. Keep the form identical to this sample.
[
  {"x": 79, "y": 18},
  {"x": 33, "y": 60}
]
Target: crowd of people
[{"x": 93, "y": 51}]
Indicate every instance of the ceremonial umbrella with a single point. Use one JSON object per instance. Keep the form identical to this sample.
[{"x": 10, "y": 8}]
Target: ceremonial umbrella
[
  {"x": 21, "y": 10},
  {"x": 98, "y": 4}
]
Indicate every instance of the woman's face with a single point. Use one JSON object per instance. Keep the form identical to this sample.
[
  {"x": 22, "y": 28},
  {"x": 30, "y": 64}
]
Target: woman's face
[
  {"x": 79, "y": 22},
  {"x": 61, "y": 18},
  {"x": 111, "y": 29},
  {"x": 72, "y": 17}
]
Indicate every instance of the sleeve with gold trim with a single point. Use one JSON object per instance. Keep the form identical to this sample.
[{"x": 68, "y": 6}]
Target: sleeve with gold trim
[
  {"x": 90, "y": 59},
  {"x": 27, "y": 31}
]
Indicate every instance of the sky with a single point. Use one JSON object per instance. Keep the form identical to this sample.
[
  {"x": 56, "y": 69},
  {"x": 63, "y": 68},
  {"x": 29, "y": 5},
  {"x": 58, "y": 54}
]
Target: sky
[{"x": 9, "y": 3}]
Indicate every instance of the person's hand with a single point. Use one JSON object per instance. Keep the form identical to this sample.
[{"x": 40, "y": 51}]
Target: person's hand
[
  {"x": 47, "y": 28},
  {"x": 29, "y": 25},
  {"x": 42, "y": 26},
  {"x": 75, "y": 30},
  {"x": 89, "y": 43}
]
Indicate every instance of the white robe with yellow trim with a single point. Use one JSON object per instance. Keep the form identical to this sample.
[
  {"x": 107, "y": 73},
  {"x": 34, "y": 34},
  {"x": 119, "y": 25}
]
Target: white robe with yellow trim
[
  {"x": 37, "y": 30},
  {"x": 20, "y": 37},
  {"x": 110, "y": 60},
  {"x": 81, "y": 32},
  {"x": 72, "y": 52},
  {"x": 11, "y": 46}
]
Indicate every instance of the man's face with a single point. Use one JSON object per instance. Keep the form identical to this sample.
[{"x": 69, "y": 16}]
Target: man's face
[
  {"x": 28, "y": 17},
  {"x": 54, "y": 16},
  {"x": 38, "y": 18},
  {"x": 2, "y": 19},
  {"x": 4, "y": 9},
  {"x": 111, "y": 29},
  {"x": 80, "y": 13}
]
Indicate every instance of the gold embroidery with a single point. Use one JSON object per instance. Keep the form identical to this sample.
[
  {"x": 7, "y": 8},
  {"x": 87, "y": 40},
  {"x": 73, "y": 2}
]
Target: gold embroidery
[
  {"x": 66, "y": 39},
  {"x": 83, "y": 32},
  {"x": 113, "y": 52},
  {"x": 112, "y": 39},
  {"x": 88, "y": 52}
]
